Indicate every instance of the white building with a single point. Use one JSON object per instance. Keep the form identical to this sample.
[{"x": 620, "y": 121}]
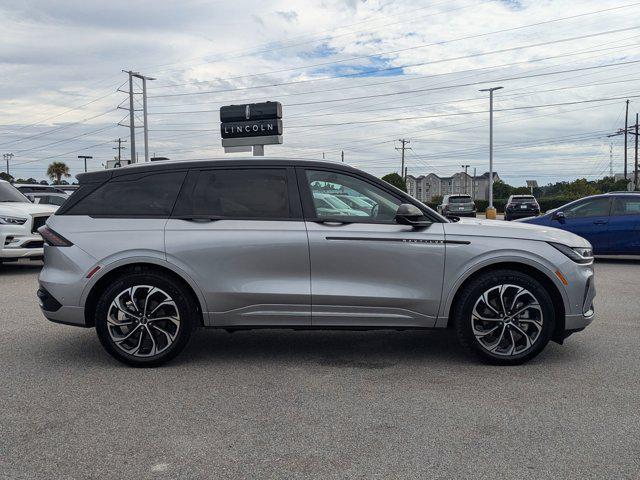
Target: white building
[{"x": 426, "y": 187}]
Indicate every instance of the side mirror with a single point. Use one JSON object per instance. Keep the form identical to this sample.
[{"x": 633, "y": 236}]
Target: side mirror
[
  {"x": 408, "y": 214},
  {"x": 31, "y": 198},
  {"x": 559, "y": 216}
]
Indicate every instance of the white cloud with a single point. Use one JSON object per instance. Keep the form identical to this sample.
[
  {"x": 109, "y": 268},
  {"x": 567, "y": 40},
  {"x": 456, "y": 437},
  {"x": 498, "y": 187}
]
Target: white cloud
[{"x": 58, "y": 55}]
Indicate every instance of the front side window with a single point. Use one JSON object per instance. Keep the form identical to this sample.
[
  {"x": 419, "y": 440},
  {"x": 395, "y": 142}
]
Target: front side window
[
  {"x": 134, "y": 195},
  {"x": 626, "y": 206},
  {"x": 239, "y": 194},
  {"x": 596, "y": 207},
  {"x": 337, "y": 195}
]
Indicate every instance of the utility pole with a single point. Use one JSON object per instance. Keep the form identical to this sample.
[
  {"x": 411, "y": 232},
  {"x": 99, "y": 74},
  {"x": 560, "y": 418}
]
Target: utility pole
[
  {"x": 626, "y": 121},
  {"x": 7, "y": 157},
  {"x": 132, "y": 126},
  {"x": 119, "y": 148},
  {"x": 493, "y": 210},
  {"x": 466, "y": 184},
  {"x": 635, "y": 170},
  {"x": 611, "y": 159},
  {"x": 404, "y": 144},
  {"x": 132, "y": 121},
  {"x": 85, "y": 157},
  {"x": 342, "y": 156}
]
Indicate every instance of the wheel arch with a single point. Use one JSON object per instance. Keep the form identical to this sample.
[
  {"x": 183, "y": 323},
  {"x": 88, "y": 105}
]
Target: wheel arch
[
  {"x": 91, "y": 299},
  {"x": 537, "y": 273}
]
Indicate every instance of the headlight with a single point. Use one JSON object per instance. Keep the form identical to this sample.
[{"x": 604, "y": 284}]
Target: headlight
[
  {"x": 577, "y": 254},
  {"x": 12, "y": 220}
]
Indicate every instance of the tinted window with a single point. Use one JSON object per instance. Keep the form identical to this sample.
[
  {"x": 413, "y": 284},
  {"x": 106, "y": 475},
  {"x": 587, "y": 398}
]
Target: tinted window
[
  {"x": 340, "y": 195},
  {"x": 137, "y": 195},
  {"x": 462, "y": 199},
  {"x": 238, "y": 193},
  {"x": 591, "y": 208},
  {"x": 522, "y": 200},
  {"x": 626, "y": 206}
]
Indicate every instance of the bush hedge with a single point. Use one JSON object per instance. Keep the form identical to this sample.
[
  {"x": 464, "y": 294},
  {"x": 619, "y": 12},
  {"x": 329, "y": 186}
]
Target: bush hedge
[{"x": 546, "y": 203}]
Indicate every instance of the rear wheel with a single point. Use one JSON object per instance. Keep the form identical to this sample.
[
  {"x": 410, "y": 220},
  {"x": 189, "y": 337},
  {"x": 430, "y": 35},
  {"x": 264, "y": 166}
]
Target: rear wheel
[
  {"x": 504, "y": 317},
  {"x": 145, "y": 319}
]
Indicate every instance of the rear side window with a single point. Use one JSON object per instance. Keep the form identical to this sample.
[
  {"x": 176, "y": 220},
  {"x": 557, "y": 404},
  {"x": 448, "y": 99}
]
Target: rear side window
[
  {"x": 137, "y": 195},
  {"x": 237, "y": 194},
  {"x": 626, "y": 206}
]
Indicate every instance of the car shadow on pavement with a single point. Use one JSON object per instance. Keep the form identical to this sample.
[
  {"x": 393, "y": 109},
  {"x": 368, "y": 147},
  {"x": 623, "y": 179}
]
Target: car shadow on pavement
[{"x": 20, "y": 268}]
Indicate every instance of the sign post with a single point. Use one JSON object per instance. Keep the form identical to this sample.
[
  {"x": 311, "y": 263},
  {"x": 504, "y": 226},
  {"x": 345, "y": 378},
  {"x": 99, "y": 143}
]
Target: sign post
[{"x": 251, "y": 126}]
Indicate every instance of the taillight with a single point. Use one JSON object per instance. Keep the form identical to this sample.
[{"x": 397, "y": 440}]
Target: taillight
[{"x": 52, "y": 238}]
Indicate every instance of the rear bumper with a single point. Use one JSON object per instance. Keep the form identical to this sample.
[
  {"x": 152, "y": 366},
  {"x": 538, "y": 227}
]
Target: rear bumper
[
  {"x": 54, "y": 311},
  {"x": 522, "y": 214}
]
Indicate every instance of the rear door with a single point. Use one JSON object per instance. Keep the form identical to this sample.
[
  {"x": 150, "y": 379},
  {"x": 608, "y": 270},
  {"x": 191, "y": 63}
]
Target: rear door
[
  {"x": 369, "y": 270},
  {"x": 589, "y": 218},
  {"x": 239, "y": 233},
  {"x": 624, "y": 225}
]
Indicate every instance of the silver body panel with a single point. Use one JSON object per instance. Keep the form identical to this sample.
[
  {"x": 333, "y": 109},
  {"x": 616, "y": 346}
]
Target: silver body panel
[{"x": 311, "y": 274}]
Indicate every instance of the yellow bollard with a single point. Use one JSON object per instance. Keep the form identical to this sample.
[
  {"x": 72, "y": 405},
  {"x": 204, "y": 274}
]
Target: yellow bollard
[{"x": 491, "y": 213}]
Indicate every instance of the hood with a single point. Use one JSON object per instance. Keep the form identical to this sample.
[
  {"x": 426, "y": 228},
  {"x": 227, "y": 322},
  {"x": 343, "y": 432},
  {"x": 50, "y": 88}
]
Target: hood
[
  {"x": 16, "y": 209},
  {"x": 524, "y": 231}
]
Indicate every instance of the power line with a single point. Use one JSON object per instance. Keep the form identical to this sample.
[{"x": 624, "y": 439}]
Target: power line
[
  {"x": 390, "y": 52},
  {"x": 402, "y": 67}
]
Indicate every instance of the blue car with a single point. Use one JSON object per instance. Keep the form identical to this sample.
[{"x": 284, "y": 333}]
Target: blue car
[{"x": 610, "y": 222}]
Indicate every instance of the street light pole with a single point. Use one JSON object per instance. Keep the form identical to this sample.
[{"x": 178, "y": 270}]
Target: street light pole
[
  {"x": 85, "y": 157},
  {"x": 491, "y": 90}
]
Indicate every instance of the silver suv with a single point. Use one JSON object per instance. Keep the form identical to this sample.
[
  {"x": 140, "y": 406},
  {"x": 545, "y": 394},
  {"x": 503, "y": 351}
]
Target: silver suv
[{"x": 147, "y": 253}]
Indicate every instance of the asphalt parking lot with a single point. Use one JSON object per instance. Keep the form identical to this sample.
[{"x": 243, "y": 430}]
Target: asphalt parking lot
[{"x": 282, "y": 404}]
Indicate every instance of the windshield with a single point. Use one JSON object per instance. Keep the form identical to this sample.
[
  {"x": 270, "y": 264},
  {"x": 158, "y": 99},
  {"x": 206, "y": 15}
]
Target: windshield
[
  {"x": 9, "y": 193},
  {"x": 523, "y": 199},
  {"x": 462, "y": 199}
]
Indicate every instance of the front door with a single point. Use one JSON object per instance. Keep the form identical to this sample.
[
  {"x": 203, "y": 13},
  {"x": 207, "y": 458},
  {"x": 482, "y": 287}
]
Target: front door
[
  {"x": 589, "y": 219},
  {"x": 239, "y": 233},
  {"x": 367, "y": 270}
]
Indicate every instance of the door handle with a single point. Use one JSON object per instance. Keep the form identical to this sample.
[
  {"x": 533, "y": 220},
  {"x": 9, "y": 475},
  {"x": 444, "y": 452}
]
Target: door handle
[
  {"x": 600, "y": 222},
  {"x": 198, "y": 219},
  {"x": 333, "y": 223}
]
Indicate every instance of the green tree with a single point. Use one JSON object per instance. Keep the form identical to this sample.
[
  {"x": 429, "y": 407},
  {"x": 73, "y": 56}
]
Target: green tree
[
  {"x": 56, "y": 171},
  {"x": 395, "y": 180},
  {"x": 6, "y": 176}
]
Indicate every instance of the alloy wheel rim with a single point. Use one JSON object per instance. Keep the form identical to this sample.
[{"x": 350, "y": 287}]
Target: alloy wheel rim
[
  {"x": 143, "y": 321},
  {"x": 507, "y": 320}
]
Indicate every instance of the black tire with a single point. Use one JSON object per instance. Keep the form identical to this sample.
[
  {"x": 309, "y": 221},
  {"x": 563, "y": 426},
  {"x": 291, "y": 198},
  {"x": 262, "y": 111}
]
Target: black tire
[
  {"x": 464, "y": 321},
  {"x": 184, "y": 305}
]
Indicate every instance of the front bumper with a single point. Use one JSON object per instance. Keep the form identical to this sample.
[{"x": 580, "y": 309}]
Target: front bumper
[{"x": 21, "y": 246}]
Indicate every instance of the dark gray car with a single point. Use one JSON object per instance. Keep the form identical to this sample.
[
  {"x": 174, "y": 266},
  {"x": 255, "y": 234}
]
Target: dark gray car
[
  {"x": 148, "y": 253},
  {"x": 460, "y": 205}
]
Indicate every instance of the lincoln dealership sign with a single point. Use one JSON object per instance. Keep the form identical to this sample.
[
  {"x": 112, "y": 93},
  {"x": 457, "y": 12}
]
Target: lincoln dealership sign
[
  {"x": 256, "y": 128},
  {"x": 251, "y": 125}
]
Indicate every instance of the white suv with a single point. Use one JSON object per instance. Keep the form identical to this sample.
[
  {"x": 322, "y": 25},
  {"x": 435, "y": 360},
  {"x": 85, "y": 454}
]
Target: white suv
[{"x": 19, "y": 223}]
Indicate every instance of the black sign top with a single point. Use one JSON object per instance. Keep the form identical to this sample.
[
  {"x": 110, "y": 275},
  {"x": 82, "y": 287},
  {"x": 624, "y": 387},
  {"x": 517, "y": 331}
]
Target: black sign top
[{"x": 251, "y": 111}]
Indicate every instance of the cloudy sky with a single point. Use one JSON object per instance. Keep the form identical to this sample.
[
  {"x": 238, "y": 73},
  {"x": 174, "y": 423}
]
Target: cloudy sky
[{"x": 353, "y": 76}]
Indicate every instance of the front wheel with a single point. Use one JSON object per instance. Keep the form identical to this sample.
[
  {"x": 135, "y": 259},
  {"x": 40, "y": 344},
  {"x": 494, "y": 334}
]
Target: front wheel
[
  {"x": 145, "y": 318},
  {"x": 504, "y": 317}
]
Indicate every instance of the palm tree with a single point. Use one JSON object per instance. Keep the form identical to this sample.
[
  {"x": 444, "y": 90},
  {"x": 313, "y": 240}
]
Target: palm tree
[{"x": 57, "y": 170}]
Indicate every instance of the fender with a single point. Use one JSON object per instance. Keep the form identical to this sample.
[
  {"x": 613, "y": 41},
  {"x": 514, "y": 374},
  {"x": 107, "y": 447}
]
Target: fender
[
  {"x": 488, "y": 259},
  {"x": 150, "y": 257}
]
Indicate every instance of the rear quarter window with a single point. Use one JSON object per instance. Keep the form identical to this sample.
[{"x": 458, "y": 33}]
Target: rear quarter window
[{"x": 135, "y": 195}]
